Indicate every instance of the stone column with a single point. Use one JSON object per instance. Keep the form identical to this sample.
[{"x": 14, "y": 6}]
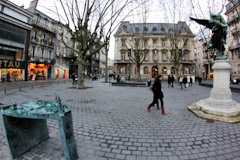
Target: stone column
[{"x": 221, "y": 90}]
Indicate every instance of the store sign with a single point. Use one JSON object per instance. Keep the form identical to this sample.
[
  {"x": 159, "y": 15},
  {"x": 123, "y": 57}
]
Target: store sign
[{"x": 11, "y": 64}]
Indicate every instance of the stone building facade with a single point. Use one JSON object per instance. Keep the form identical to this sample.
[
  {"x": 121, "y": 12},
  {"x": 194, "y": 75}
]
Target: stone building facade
[
  {"x": 233, "y": 41},
  {"x": 158, "y": 42}
]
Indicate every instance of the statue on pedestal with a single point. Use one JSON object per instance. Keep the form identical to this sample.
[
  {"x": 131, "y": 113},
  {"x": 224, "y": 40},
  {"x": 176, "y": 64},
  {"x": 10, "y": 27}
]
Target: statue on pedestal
[{"x": 219, "y": 29}]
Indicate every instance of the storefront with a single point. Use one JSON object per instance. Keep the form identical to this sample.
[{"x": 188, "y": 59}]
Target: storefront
[
  {"x": 15, "y": 31},
  {"x": 11, "y": 70},
  {"x": 37, "y": 71}
]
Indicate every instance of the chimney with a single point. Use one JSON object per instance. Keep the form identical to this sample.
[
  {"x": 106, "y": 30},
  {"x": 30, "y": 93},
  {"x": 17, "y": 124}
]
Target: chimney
[{"x": 33, "y": 6}]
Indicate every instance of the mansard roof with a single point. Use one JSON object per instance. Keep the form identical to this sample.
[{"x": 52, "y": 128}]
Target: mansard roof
[{"x": 154, "y": 28}]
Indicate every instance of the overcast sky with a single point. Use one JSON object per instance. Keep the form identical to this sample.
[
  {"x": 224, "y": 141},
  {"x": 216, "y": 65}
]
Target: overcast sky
[{"x": 158, "y": 11}]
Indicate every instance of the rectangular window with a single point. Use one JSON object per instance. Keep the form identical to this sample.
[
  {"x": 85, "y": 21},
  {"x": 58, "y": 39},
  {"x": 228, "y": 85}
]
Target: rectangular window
[
  {"x": 146, "y": 57},
  {"x": 155, "y": 55},
  {"x": 57, "y": 50},
  {"x": 43, "y": 36},
  {"x": 42, "y": 54},
  {"x": 0, "y": 7},
  {"x": 49, "y": 55},
  {"x": 163, "y": 43},
  {"x": 172, "y": 43},
  {"x": 239, "y": 69},
  {"x": 123, "y": 43},
  {"x": 238, "y": 54},
  {"x": 33, "y": 51},
  {"x": 186, "y": 56},
  {"x": 64, "y": 52},
  {"x": 145, "y": 43},
  {"x": 154, "y": 43},
  {"x": 164, "y": 56},
  {"x": 123, "y": 56}
]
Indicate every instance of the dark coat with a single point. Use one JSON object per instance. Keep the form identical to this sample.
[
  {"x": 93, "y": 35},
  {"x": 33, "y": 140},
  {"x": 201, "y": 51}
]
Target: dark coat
[{"x": 157, "y": 89}]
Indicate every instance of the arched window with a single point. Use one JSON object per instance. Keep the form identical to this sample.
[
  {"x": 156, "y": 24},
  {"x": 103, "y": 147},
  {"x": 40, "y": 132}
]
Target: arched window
[
  {"x": 164, "y": 70},
  {"x": 172, "y": 70},
  {"x": 146, "y": 70}
]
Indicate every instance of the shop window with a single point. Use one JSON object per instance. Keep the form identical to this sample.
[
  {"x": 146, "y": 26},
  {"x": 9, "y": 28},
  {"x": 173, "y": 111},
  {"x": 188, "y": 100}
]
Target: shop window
[
  {"x": 186, "y": 70},
  {"x": 145, "y": 70},
  {"x": 122, "y": 70},
  {"x": 135, "y": 70},
  {"x": 164, "y": 70},
  {"x": 172, "y": 70}
]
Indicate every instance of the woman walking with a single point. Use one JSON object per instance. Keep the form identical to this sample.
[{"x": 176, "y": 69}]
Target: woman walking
[{"x": 157, "y": 94}]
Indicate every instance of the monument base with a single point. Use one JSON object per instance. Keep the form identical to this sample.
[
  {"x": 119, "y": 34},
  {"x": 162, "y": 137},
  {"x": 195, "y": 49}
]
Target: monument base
[{"x": 226, "y": 111}]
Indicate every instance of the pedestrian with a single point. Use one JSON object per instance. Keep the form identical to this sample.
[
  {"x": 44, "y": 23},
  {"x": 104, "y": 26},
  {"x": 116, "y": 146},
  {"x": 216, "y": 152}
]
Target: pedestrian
[
  {"x": 157, "y": 94},
  {"x": 169, "y": 80},
  {"x": 190, "y": 81},
  {"x": 3, "y": 76},
  {"x": 181, "y": 81},
  {"x": 73, "y": 78},
  {"x": 185, "y": 81},
  {"x": 118, "y": 78},
  {"x": 172, "y": 80},
  {"x": 8, "y": 77}
]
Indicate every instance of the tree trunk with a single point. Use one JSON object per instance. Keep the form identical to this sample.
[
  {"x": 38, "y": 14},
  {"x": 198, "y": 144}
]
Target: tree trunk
[
  {"x": 139, "y": 75},
  {"x": 106, "y": 68},
  {"x": 80, "y": 82}
]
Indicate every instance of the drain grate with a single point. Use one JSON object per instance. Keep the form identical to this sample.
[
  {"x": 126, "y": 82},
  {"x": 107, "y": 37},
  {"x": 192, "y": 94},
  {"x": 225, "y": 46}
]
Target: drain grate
[{"x": 210, "y": 121}]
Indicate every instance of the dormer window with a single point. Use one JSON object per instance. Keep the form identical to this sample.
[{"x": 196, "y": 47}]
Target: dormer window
[
  {"x": 137, "y": 29},
  {"x": 154, "y": 29},
  {"x": 162, "y": 29},
  {"x": 124, "y": 27},
  {"x": 145, "y": 29}
]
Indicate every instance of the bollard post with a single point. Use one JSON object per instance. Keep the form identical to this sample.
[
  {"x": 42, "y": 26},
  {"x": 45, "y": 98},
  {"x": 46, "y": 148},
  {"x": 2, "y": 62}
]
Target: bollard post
[
  {"x": 19, "y": 86},
  {"x": 5, "y": 90}
]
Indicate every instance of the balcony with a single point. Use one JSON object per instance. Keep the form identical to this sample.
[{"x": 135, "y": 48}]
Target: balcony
[
  {"x": 43, "y": 42},
  {"x": 38, "y": 59},
  {"x": 35, "y": 39},
  {"x": 44, "y": 26},
  {"x": 51, "y": 44}
]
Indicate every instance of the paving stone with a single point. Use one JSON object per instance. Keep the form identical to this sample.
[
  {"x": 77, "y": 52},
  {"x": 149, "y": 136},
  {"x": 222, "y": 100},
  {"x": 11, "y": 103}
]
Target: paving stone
[{"x": 113, "y": 123}]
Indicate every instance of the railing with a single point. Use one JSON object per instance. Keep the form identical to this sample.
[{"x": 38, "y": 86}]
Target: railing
[
  {"x": 35, "y": 39},
  {"x": 43, "y": 42},
  {"x": 46, "y": 60}
]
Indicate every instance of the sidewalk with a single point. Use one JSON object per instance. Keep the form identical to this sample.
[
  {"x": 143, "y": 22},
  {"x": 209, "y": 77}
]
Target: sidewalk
[{"x": 112, "y": 123}]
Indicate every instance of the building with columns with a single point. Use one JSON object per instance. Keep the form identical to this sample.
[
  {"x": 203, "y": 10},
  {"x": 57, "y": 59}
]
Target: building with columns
[{"x": 159, "y": 39}]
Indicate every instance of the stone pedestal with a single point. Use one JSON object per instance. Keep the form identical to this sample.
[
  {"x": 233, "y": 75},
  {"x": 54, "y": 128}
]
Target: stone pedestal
[{"x": 219, "y": 106}]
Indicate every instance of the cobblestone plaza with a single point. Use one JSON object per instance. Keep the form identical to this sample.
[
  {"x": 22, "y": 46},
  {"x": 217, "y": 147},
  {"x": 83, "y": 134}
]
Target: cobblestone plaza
[{"x": 112, "y": 122}]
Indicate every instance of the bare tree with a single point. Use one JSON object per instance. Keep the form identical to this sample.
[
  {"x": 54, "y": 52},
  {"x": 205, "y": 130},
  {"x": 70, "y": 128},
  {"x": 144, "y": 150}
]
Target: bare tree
[
  {"x": 137, "y": 44},
  {"x": 88, "y": 19}
]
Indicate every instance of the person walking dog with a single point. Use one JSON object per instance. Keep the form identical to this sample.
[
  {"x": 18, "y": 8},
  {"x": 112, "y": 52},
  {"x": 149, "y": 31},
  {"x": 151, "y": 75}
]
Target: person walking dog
[{"x": 157, "y": 94}]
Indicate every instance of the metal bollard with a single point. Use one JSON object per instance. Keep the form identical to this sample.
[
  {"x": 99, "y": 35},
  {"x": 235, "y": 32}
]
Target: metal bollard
[
  {"x": 19, "y": 86},
  {"x": 5, "y": 90}
]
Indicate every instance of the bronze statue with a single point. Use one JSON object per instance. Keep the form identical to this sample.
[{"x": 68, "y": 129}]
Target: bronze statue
[{"x": 219, "y": 29}]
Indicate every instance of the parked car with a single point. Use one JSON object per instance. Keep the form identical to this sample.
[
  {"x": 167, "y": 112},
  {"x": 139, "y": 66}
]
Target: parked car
[{"x": 236, "y": 81}]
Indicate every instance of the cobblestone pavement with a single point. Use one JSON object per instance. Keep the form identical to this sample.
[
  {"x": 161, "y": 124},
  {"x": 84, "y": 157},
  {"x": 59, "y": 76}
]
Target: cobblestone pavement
[{"x": 113, "y": 123}]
